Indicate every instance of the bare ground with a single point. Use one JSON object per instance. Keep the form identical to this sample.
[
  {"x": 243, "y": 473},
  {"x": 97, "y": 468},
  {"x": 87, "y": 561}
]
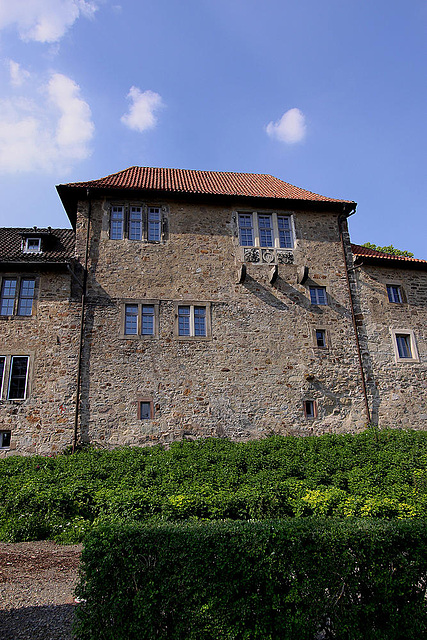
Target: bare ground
[{"x": 37, "y": 581}]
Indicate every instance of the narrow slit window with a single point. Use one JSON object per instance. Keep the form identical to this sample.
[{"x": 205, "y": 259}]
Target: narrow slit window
[{"x": 18, "y": 378}]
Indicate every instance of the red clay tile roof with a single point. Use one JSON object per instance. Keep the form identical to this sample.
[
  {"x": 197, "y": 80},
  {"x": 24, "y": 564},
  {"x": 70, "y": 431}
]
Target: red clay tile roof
[
  {"x": 364, "y": 252},
  {"x": 57, "y": 245},
  {"x": 202, "y": 182}
]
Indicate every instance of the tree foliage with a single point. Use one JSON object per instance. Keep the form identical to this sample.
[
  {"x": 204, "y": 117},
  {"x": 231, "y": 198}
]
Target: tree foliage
[{"x": 390, "y": 249}]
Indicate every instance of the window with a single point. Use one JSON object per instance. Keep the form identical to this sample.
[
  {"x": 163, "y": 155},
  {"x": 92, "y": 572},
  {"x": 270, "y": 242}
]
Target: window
[
  {"x": 17, "y": 296},
  {"x": 193, "y": 320},
  {"x": 32, "y": 245},
  {"x": 141, "y": 319},
  {"x": 2, "y": 368},
  {"x": 310, "y": 408},
  {"x": 4, "y": 439},
  {"x": 394, "y": 293},
  {"x": 269, "y": 230},
  {"x": 154, "y": 221},
  {"x": 405, "y": 348},
  {"x": 145, "y": 410},
  {"x": 318, "y": 295},
  {"x": 137, "y": 222},
  {"x": 321, "y": 338},
  {"x": 18, "y": 378}
]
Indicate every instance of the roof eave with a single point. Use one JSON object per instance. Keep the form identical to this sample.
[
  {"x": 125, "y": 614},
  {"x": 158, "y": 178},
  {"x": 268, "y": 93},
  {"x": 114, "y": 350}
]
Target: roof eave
[
  {"x": 392, "y": 262},
  {"x": 70, "y": 195}
]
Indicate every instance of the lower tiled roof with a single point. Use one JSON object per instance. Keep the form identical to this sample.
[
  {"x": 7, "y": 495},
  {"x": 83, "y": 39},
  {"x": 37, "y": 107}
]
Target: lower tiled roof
[
  {"x": 58, "y": 245},
  {"x": 365, "y": 252}
]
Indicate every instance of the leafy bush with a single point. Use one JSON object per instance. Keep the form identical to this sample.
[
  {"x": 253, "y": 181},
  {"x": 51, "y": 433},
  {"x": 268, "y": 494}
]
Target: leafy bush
[{"x": 298, "y": 579}]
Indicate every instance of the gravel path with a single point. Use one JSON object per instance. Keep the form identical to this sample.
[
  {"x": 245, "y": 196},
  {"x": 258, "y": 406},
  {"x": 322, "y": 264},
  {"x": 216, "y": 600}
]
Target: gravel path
[{"x": 37, "y": 581}]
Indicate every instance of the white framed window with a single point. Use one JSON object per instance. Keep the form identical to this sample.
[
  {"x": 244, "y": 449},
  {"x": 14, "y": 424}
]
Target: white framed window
[
  {"x": 141, "y": 319},
  {"x": 395, "y": 294},
  {"x": 5, "y": 439},
  {"x": 318, "y": 296},
  {"x": 17, "y": 296},
  {"x": 32, "y": 245},
  {"x": 18, "y": 378},
  {"x": 404, "y": 345},
  {"x": 2, "y": 374},
  {"x": 138, "y": 222},
  {"x": 192, "y": 320},
  {"x": 266, "y": 230}
]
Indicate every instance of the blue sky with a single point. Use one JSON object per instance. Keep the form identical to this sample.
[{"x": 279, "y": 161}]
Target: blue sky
[{"x": 330, "y": 96}]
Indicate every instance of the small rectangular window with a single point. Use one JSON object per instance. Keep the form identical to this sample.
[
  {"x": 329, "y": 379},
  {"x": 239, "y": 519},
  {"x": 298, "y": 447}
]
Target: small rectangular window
[
  {"x": 5, "y": 439},
  {"x": 246, "y": 230},
  {"x": 135, "y": 223},
  {"x": 318, "y": 295},
  {"x": 117, "y": 223},
  {"x": 310, "y": 409},
  {"x": 154, "y": 224},
  {"x": 32, "y": 245},
  {"x": 18, "y": 378},
  {"x": 7, "y": 296},
  {"x": 145, "y": 410},
  {"x": 403, "y": 341},
  {"x": 394, "y": 293},
  {"x": 141, "y": 319},
  {"x": 321, "y": 338},
  {"x": 405, "y": 347}
]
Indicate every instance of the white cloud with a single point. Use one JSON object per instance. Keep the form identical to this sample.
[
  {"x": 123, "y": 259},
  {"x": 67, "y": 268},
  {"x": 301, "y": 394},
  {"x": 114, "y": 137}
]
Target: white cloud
[
  {"x": 45, "y": 136},
  {"x": 141, "y": 115},
  {"x": 290, "y": 128},
  {"x": 43, "y": 20},
  {"x": 18, "y": 75}
]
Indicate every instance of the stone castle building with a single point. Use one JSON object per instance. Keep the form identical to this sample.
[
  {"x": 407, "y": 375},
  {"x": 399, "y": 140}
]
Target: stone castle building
[{"x": 186, "y": 304}]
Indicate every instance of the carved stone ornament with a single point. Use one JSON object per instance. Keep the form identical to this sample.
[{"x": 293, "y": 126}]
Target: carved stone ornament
[
  {"x": 268, "y": 256},
  {"x": 252, "y": 255},
  {"x": 285, "y": 257}
]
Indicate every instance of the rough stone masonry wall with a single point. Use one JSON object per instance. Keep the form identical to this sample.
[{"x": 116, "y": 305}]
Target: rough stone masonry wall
[
  {"x": 397, "y": 388},
  {"x": 43, "y": 422},
  {"x": 251, "y": 377}
]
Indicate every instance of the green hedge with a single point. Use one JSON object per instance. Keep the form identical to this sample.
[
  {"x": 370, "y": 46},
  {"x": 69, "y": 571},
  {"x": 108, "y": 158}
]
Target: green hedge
[
  {"x": 370, "y": 475},
  {"x": 296, "y": 579}
]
